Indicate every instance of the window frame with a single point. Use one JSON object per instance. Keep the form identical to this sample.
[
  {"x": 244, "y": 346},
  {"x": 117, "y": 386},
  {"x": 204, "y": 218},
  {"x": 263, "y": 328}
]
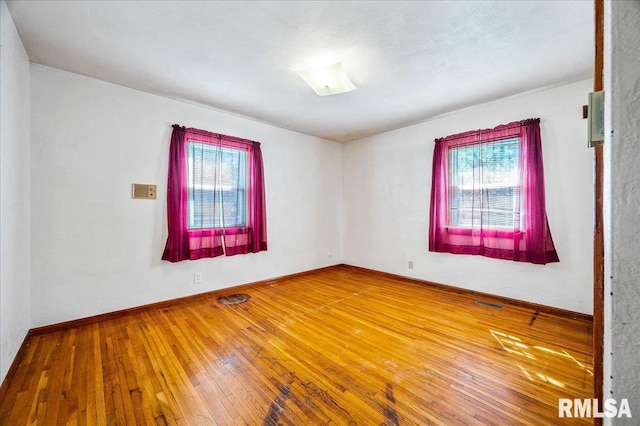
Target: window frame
[
  {"x": 483, "y": 229},
  {"x": 215, "y": 230}
]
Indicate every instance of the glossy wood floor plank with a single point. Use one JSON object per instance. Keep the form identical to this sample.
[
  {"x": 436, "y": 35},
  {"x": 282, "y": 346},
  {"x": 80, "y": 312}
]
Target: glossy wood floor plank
[{"x": 335, "y": 347}]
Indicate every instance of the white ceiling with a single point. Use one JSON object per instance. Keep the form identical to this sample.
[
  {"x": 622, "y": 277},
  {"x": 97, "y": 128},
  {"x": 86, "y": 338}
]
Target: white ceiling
[{"x": 410, "y": 60}]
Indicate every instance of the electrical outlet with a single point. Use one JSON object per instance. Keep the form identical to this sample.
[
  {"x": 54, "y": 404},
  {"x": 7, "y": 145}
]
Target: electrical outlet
[
  {"x": 410, "y": 264},
  {"x": 197, "y": 278}
]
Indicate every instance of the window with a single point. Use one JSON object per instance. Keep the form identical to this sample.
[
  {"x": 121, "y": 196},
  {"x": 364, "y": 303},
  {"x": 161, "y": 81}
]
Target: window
[
  {"x": 215, "y": 196},
  {"x": 485, "y": 185},
  {"x": 216, "y": 186},
  {"x": 487, "y": 195}
]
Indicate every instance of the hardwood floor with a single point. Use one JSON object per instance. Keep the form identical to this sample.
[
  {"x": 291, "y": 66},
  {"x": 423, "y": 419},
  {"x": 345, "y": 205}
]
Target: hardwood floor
[{"x": 335, "y": 347}]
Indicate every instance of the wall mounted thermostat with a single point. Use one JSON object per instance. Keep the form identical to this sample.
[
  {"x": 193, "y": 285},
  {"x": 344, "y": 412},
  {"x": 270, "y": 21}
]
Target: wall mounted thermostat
[{"x": 143, "y": 190}]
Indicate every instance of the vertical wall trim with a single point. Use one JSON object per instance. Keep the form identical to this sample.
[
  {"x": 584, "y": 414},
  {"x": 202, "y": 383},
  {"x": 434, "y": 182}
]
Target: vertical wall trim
[{"x": 598, "y": 235}]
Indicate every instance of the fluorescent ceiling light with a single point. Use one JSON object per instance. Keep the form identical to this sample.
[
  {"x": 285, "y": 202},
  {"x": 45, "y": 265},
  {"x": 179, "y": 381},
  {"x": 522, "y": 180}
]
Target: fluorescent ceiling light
[{"x": 329, "y": 80}]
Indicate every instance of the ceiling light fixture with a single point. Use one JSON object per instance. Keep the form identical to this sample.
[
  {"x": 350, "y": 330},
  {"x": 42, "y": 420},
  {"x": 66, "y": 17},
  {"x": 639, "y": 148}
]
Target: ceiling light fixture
[{"x": 329, "y": 80}]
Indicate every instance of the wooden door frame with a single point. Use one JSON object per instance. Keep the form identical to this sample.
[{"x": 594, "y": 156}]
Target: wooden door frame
[{"x": 598, "y": 235}]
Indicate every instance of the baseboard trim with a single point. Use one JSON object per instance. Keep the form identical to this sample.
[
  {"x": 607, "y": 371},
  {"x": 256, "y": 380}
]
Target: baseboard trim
[
  {"x": 492, "y": 297},
  {"x": 14, "y": 365},
  {"x": 166, "y": 303}
]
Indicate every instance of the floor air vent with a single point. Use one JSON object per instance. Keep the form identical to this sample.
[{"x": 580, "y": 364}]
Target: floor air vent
[
  {"x": 489, "y": 304},
  {"x": 233, "y": 299}
]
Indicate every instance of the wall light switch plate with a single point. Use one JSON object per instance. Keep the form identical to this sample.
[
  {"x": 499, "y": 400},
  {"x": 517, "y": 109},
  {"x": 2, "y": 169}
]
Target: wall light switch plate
[
  {"x": 143, "y": 191},
  {"x": 596, "y": 118}
]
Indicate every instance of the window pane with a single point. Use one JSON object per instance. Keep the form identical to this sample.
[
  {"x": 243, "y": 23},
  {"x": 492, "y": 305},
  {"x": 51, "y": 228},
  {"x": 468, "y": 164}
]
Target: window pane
[
  {"x": 484, "y": 185},
  {"x": 216, "y": 183}
]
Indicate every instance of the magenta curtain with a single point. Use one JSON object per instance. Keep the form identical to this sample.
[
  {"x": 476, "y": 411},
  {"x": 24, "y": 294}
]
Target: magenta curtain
[
  {"x": 184, "y": 243},
  {"x": 530, "y": 239}
]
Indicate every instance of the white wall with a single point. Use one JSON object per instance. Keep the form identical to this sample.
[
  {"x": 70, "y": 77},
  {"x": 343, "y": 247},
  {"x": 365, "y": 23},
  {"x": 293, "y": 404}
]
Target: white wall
[
  {"x": 14, "y": 191},
  {"x": 96, "y": 250},
  {"x": 622, "y": 206},
  {"x": 387, "y": 190}
]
